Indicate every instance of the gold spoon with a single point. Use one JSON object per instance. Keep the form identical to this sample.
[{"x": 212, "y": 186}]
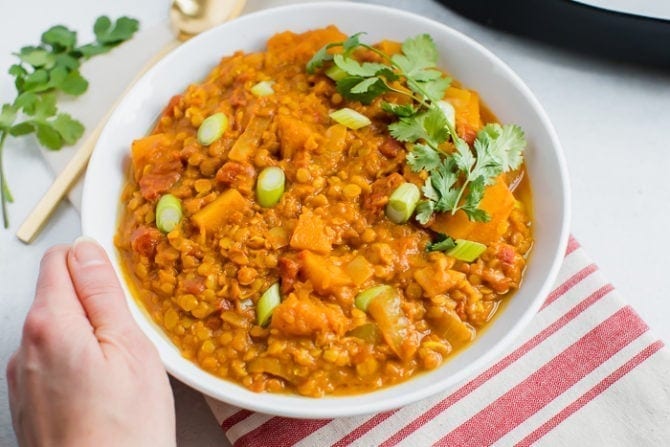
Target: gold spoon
[{"x": 188, "y": 18}]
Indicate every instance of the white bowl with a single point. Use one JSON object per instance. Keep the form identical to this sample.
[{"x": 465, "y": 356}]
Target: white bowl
[{"x": 473, "y": 65}]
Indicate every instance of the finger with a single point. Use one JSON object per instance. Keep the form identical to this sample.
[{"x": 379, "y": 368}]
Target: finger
[
  {"x": 55, "y": 291},
  {"x": 12, "y": 377},
  {"x": 96, "y": 285}
]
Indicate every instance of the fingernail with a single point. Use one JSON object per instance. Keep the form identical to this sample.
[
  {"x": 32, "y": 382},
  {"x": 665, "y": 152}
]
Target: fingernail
[{"x": 87, "y": 252}]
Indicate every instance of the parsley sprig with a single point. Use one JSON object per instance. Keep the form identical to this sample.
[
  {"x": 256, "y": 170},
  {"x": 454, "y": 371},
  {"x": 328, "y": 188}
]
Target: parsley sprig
[
  {"x": 457, "y": 173},
  {"x": 41, "y": 73}
]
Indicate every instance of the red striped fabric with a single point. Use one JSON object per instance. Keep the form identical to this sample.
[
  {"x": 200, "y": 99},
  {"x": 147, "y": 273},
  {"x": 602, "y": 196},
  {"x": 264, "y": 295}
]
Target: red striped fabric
[
  {"x": 556, "y": 376},
  {"x": 583, "y": 299},
  {"x": 592, "y": 393}
]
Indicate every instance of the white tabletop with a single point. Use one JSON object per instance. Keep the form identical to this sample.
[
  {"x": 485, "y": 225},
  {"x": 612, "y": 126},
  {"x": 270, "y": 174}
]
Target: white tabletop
[{"x": 612, "y": 120}]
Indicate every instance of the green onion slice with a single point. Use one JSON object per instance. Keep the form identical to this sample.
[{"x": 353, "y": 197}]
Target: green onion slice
[
  {"x": 267, "y": 303},
  {"x": 168, "y": 213},
  {"x": 270, "y": 186},
  {"x": 466, "y": 250},
  {"x": 263, "y": 88},
  {"x": 350, "y": 118},
  {"x": 212, "y": 128},
  {"x": 402, "y": 203},
  {"x": 336, "y": 73},
  {"x": 364, "y": 298},
  {"x": 449, "y": 112}
]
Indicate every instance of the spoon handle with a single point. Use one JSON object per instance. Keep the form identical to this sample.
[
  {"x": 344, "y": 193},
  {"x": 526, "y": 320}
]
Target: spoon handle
[{"x": 69, "y": 176}]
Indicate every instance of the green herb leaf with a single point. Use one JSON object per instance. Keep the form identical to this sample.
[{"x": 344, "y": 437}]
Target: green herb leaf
[
  {"x": 402, "y": 110},
  {"x": 27, "y": 101},
  {"x": 69, "y": 129},
  {"x": 45, "y": 106},
  {"x": 442, "y": 243},
  {"x": 422, "y": 157},
  {"x": 424, "y": 211},
  {"x": 354, "y": 68},
  {"x": 73, "y": 83},
  {"x": 418, "y": 53},
  {"x": 344, "y": 87},
  {"x": 7, "y": 116},
  {"x": 112, "y": 33},
  {"x": 21, "y": 129},
  {"x": 37, "y": 57},
  {"x": 506, "y": 143},
  {"x": 36, "y": 81},
  {"x": 60, "y": 38},
  {"x": 42, "y": 71},
  {"x": 48, "y": 136}
]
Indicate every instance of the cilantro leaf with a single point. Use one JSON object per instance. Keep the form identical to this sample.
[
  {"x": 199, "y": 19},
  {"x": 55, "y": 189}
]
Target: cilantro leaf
[
  {"x": 73, "y": 84},
  {"x": 422, "y": 157},
  {"x": 355, "y": 68},
  {"x": 107, "y": 32},
  {"x": 48, "y": 136},
  {"x": 60, "y": 38},
  {"x": 471, "y": 204},
  {"x": 7, "y": 116},
  {"x": 442, "y": 243},
  {"x": 404, "y": 110},
  {"x": 424, "y": 210},
  {"x": 506, "y": 143},
  {"x": 418, "y": 53},
  {"x": 319, "y": 58},
  {"x": 69, "y": 129},
  {"x": 428, "y": 126},
  {"x": 37, "y": 57},
  {"x": 344, "y": 87},
  {"x": 433, "y": 90},
  {"x": 443, "y": 179},
  {"x": 44, "y": 70},
  {"x": 21, "y": 129}
]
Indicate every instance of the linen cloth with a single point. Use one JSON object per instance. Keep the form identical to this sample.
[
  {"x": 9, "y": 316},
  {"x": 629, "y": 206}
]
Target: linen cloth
[{"x": 586, "y": 372}]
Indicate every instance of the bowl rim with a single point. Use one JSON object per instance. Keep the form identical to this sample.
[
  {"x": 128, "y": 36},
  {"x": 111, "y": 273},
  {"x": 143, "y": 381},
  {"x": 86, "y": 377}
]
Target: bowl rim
[{"x": 339, "y": 406}]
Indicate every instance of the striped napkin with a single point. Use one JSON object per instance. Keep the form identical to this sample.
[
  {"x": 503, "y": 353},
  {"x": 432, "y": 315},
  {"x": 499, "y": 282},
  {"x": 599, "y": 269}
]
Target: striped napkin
[{"x": 586, "y": 372}]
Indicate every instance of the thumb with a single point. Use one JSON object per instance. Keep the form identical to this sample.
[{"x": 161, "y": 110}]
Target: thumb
[{"x": 97, "y": 286}]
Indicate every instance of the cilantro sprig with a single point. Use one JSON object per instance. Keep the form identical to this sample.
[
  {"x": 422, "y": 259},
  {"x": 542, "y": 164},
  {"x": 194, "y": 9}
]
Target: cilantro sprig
[
  {"x": 457, "y": 173},
  {"x": 43, "y": 71}
]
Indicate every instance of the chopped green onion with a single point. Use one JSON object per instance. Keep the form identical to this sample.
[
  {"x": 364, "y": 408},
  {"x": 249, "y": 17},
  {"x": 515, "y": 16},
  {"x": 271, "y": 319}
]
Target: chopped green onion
[
  {"x": 267, "y": 303},
  {"x": 270, "y": 186},
  {"x": 402, "y": 203},
  {"x": 364, "y": 298},
  {"x": 466, "y": 250},
  {"x": 336, "y": 73},
  {"x": 449, "y": 112},
  {"x": 263, "y": 88},
  {"x": 350, "y": 118},
  {"x": 168, "y": 213},
  {"x": 212, "y": 128}
]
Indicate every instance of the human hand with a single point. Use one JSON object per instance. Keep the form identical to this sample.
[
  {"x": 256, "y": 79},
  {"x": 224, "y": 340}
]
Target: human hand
[{"x": 84, "y": 374}]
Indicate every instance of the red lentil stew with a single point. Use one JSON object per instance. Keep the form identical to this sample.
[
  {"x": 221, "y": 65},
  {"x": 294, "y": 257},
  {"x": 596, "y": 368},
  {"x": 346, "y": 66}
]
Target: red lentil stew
[{"x": 257, "y": 227}]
